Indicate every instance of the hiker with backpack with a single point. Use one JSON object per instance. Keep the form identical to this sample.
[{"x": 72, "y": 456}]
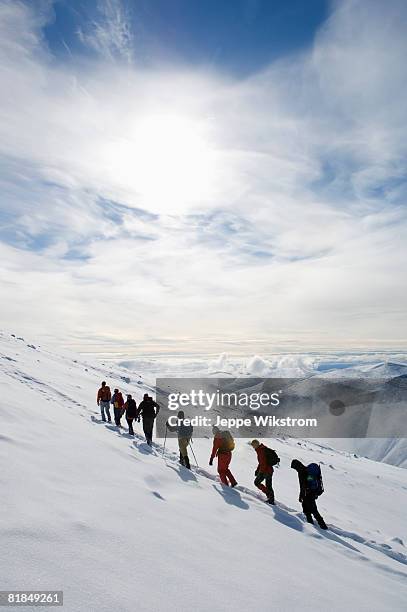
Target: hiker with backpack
[
  {"x": 103, "y": 401},
  {"x": 148, "y": 409},
  {"x": 184, "y": 438},
  {"x": 117, "y": 402},
  {"x": 311, "y": 487},
  {"x": 267, "y": 458},
  {"x": 131, "y": 413},
  {"x": 223, "y": 445}
]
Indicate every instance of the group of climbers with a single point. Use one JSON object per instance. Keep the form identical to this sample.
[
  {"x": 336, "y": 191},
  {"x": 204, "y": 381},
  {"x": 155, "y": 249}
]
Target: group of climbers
[
  {"x": 309, "y": 477},
  {"x": 147, "y": 410}
]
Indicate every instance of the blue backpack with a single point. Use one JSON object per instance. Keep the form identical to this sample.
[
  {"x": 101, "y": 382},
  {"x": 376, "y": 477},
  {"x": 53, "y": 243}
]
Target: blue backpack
[{"x": 314, "y": 479}]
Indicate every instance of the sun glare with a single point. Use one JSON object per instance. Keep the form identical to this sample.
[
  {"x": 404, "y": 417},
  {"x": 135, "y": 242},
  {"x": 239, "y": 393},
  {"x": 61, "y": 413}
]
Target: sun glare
[{"x": 169, "y": 161}]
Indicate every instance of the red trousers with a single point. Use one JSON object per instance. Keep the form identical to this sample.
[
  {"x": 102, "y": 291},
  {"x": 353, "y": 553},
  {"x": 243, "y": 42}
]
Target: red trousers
[{"x": 225, "y": 474}]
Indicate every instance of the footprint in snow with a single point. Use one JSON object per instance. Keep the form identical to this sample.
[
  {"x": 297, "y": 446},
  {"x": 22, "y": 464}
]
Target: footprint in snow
[
  {"x": 398, "y": 541},
  {"x": 157, "y": 495}
]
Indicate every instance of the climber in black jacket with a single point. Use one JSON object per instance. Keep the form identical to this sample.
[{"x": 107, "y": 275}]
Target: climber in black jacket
[{"x": 148, "y": 409}]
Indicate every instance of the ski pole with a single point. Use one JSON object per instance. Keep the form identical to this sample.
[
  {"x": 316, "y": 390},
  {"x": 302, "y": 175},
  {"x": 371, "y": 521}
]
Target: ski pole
[
  {"x": 192, "y": 451},
  {"x": 165, "y": 439}
]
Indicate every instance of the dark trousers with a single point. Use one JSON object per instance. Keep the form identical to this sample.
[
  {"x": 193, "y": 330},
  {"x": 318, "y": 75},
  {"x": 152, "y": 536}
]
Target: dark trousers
[
  {"x": 148, "y": 424},
  {"x": 267, "y": 488},
  {"x": 117, "y": 416},
  {"x": 130, "y": 424},
  {"x": 309, "y": 506}
]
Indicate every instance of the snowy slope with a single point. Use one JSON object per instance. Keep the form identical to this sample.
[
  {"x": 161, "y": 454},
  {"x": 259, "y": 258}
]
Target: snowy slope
[
  {"x": 388, "y": 450},
  {"x": 393, "y": 451},
  {"x": 118, "y": 527}
]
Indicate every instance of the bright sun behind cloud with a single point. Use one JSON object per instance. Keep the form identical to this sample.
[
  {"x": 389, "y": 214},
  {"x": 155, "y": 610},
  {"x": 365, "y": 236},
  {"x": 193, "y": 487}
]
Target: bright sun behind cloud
[{"x": 168, "y": 160}]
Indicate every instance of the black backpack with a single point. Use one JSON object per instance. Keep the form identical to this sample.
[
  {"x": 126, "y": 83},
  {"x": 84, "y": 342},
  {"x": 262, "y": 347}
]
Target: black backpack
[
  {"x": 185, "y": 431},
  {"x": 271, "y": 456},
  {"x": 314, "y": 479}
]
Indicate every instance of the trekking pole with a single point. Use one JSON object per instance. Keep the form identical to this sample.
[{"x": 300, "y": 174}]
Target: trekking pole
[
  {"x": 192, "y": 451},
  {"x": 165, "y": 439}
]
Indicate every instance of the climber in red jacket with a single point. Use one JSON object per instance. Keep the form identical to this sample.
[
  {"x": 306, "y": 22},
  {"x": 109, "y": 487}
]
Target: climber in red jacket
[
  {"x": 267, "y": 457},
  {"x": 118, "y": 406},
  {"x": 103, "y": 401}
]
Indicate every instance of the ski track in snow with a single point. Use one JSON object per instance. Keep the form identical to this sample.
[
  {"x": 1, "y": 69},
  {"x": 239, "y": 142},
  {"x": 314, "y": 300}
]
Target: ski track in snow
[{"x": 44, "y": 388}]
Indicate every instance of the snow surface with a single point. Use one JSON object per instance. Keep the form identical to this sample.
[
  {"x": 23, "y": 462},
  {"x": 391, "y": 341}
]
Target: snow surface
[{"x": 120, "y": 527}]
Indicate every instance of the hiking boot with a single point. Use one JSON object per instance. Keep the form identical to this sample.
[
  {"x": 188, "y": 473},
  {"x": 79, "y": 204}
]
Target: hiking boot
[
  {"x": 310, "y": 519},
  {"x": 322, "y": 524},
  {"x": 233, "y": 484},
  {"x": 186, "y": 463}
]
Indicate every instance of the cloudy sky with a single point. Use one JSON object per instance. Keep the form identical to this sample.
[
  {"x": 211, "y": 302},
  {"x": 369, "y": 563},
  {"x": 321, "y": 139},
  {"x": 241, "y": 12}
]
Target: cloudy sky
[{"x": 216, "y": 175}]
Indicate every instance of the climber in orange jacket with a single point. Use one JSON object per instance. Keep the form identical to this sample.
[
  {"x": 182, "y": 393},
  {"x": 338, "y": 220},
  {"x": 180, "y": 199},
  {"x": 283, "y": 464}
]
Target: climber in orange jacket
[{"x": 223, "y": 444}]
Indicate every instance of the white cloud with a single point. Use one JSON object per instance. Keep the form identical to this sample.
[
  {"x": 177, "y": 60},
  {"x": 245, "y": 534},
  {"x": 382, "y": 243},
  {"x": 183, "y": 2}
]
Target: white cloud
[
  {"x": 179, "y": 207},
  {"x": 110, "y": 35}
]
